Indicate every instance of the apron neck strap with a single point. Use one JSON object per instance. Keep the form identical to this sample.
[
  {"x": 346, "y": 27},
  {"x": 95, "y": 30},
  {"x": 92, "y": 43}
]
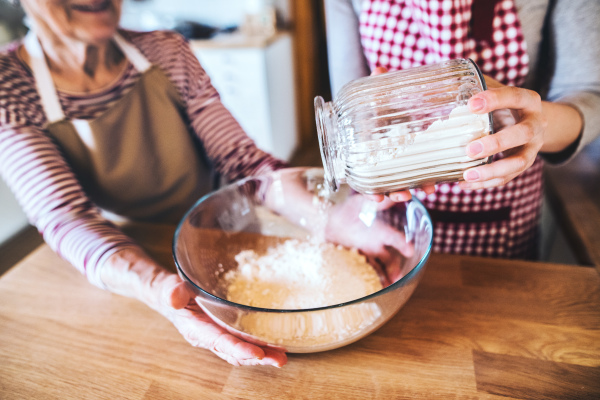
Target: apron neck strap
[
  {"x": 135, "y": 57},
  {"x": 43, "y": 78}
]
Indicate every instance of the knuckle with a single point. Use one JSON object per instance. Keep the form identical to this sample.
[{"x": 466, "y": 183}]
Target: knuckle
[
  {"x": 521, "y": 163},
  {"x": 527, "y": 129},
  {"x": 517, "y": 94},
  {"x": 216, "y": 343},
  {"x": 535, "y": 96},
  {"x": 496, "y": 182},
  {"x": 504, "y": 142},
  {"x": 494, "y": 144},
  {"x": 192, "y": 339},
  {"x": 491, "y": 98},
  {"x": 532, "y": 158}
]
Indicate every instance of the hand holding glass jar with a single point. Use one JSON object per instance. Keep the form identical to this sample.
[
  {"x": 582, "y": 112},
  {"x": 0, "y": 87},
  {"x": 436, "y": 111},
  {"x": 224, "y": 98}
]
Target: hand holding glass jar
[
  {"x": 520, "y": 125},
  {"x": 403, "y": 195},
  {"x": 448, "y": 123}
]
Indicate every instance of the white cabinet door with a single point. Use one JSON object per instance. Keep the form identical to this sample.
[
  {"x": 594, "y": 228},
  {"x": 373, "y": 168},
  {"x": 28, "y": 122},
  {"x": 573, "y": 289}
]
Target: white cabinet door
[
  {"x": 239, "y": 77},
  {"x": 12, "y": 218},
  {"x": 282, "y": 97},
  {"x": 256, "y": 84}
]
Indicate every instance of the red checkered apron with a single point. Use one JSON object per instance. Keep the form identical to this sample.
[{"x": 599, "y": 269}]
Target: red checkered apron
[{"x": 399, "y": 34}]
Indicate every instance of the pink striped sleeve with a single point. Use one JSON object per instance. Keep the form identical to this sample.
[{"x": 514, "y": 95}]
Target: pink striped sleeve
[
  {"x": 42, "y": 181},
  {"x": 55, "y": 203},
  {"x": 48, "y": 190}
]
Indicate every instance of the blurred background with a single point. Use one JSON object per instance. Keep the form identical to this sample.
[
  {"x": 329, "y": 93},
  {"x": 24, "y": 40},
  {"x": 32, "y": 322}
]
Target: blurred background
[{"x": 267, "y": 59}]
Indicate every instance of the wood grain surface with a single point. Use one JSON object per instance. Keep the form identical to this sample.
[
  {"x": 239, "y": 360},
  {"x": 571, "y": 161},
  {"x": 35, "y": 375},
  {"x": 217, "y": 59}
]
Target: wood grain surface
[
  {"x": 574, "y": 195},
  {"x": 475, "y": 328}
]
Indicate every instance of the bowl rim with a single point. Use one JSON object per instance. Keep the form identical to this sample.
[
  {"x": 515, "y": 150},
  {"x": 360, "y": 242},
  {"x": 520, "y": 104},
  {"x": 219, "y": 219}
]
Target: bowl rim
[{"x": 400, "y": 282}]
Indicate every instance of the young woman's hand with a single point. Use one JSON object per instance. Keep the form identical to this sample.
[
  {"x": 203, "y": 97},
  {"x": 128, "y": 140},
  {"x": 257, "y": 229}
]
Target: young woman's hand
[{"x": 520, "y": 127}]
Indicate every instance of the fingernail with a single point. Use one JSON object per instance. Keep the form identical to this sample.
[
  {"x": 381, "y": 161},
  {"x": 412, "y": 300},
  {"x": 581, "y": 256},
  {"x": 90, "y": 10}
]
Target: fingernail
[
  {"x": 472, "y": 175},
  {"x": 400, "y": 197},
  {"x": 477, "y": 104},
  {"x": 474, "y": 148}
]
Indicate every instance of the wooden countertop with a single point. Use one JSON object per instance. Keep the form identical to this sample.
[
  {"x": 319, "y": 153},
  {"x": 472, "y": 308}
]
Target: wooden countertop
[
  {"x": 475, "y": 328},
  {"x": 574, "y": 193}
]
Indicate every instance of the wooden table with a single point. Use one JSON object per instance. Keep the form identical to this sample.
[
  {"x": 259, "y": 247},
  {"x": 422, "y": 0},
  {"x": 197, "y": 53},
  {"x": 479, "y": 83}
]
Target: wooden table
[
  {"x": 574, "y": 193},
  {"x": 475, "y": 328}
]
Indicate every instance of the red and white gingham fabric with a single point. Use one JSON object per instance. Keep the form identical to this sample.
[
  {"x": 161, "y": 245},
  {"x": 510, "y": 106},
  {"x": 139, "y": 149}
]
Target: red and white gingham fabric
[{"x": 399, "y": 34}]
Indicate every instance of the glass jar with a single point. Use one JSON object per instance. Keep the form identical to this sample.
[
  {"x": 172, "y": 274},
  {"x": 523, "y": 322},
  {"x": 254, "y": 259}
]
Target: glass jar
[{"x": 402, "y": 129}]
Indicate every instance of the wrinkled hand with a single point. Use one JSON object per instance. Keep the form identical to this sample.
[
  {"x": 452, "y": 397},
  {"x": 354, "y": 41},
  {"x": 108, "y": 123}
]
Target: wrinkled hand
[
  {"x": 131, "y": 272},
  {"x": 520, "y": 136},
  {"x": 178, "y": 304},
  {"x": 353, "y": 224}
]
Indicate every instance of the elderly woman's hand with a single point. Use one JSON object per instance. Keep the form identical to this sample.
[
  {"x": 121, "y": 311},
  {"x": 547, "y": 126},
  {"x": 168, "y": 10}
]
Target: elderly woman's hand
[
  {"x": 133, "y": 273},
  {"x": 353, "y": 224},
  {"x": 178, "y": 304},
  {"x": 520, "y": 127}
]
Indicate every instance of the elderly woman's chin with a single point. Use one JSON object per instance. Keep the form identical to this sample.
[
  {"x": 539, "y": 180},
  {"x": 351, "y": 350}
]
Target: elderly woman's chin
[
  {"x": 96, "y": 34},
  {"x": 95, "y": 26}
]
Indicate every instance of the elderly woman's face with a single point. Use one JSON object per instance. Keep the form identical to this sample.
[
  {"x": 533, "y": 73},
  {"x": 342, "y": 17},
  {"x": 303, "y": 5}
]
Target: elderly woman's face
[{"x": 90, "y": 21}]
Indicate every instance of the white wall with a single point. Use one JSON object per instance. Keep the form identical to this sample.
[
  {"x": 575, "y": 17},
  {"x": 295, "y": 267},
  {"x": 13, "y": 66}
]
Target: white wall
[
  {"x": 148, "y": 14},
  {"x": 12, "y": 219},
  {"x": 163, "y": 14}
]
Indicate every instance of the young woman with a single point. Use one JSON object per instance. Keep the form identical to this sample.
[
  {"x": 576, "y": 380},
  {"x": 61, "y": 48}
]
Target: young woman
[{"x": 542, "y": 62}]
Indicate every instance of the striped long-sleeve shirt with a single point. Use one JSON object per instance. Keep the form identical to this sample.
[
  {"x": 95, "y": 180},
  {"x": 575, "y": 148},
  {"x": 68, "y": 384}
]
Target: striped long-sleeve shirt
[{"x": 42, "y": 180}]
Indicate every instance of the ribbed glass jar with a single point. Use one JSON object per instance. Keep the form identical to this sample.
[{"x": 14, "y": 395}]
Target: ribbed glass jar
[{"x": 402, "y": 129}]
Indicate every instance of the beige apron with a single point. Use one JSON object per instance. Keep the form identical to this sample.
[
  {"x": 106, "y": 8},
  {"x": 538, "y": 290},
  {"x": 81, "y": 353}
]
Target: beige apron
[{"x": 139, "y": 159}]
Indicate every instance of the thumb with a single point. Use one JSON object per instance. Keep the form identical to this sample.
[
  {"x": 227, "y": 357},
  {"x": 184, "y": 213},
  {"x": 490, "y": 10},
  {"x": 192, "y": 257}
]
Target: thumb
[{"x": 178, "y": 293}]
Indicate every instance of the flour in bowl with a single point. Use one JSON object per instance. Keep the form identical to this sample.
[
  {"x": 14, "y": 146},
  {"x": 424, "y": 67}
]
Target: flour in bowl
[{"x": 300, "y": 274}]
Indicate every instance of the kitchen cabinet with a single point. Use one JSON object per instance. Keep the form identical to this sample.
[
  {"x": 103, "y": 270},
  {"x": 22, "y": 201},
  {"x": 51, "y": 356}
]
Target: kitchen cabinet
[
  {"x": 12, "y": 218},
  {"x": 255, "y": 78}
]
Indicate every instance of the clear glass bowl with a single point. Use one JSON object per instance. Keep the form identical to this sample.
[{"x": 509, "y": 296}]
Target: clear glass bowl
[{"x": 258, "y": 212}]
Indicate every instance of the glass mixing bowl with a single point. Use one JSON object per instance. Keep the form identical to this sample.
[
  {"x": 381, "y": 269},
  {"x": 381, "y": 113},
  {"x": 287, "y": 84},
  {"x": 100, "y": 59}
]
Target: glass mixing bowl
[{"x": 259, "y": 212}]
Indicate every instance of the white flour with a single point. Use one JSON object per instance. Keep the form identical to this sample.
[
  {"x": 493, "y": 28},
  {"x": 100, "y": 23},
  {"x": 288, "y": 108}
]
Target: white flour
[
  {"x": 321, "y": 330},
  {"x": 299, "y": 275},
  {"x": 404, "y": 154}
]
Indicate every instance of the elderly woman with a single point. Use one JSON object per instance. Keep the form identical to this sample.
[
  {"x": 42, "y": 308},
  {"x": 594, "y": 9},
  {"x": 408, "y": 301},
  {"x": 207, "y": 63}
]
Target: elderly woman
[
  {"x": 99, "y": 125},
  {"x": 96, "y": 119}
]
